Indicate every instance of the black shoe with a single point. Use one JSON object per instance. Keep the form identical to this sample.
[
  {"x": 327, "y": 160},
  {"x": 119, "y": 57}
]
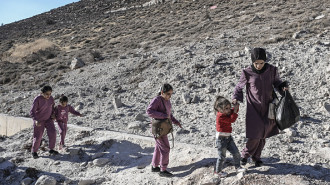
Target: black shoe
[
  {"x": 155, "y": 169},
  {"x": 53, "y": 152},
  {"x": 35, "y": 155},
  {"x": 258, "y": 163},
  {"x": 165, "y": 174},
  {"x": 243, "y": 161}
]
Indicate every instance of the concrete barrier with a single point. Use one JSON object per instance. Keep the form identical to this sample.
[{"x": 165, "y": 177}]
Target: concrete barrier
[{"x": 10, "y": 125}]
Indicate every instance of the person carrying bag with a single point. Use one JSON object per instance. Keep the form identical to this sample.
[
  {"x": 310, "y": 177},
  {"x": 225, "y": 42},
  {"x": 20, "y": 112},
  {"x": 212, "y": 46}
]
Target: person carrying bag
[{"x": 160, "y": 110}]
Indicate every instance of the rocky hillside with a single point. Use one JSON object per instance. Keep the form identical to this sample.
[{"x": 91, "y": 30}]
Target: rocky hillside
[{"x": 110, "y": 57}]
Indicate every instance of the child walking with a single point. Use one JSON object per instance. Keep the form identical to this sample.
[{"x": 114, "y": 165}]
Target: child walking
[
  {"x": 160, "y": 108},
  {"x": 225, "y": 116},
  {"x": 62, "y": 115},
  {"x": 42, "y": 113}
]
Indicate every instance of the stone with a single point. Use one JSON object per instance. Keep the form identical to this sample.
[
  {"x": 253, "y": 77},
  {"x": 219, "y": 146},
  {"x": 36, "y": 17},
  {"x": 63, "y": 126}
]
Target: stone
[
  {"x": 186, "y": 98},
  {"x": 100, "y": 161},
  {"x": 26, "y": 181},
  {"x": 315, "y": 136},
  {"x": 80, "y": 106},
  {"x": 240, "y": 175},
  {"x": 74, "y": 151},
  {"x": 327, "y": 107},
  {"x": 46, "y": 180},
  {"x": 86, "y": 182},
  {"x": 195, "y": 99},
  {"x": 77, "y": 63},
  {"x": 135, "y": 125},
  {"x": 117, "y": 102},
  {"x": 98, "y": 155},
  {"x": 326, "y": 128},
  {"x": 256, "y": 18},
  {"x": 298, "y": 34},
  {"x": 290, "y": 139},
  {"x": 328, "y": 69},
  {"x": 140, "y": 117},
  {"x": 18, "y": 99},
  {"x": 83, "y": 164},
  {"x": 2, "y": 159},
  {"x": 290, "y": 132}
]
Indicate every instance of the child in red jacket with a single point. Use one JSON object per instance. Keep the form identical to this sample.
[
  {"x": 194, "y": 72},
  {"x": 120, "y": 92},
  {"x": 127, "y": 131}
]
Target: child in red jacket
[{"x": 225, "y": 117}]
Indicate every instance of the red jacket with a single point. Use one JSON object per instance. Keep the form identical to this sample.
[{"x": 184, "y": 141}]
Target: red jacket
[{"x": 224, "y": 121}]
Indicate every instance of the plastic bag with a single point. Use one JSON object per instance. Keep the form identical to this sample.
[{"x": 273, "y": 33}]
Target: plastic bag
[{"x": 287, "y": 112}]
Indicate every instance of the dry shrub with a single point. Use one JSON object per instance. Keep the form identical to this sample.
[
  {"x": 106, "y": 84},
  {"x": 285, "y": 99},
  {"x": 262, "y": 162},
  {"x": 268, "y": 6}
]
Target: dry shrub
[{"x": 22, "y": 51}]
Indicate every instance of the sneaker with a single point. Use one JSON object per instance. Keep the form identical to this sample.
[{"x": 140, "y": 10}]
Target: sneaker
[
  {"x": 35, "y": 155},
  {"x": 258, "y": 163},
  {"x": 221, "y": 174},
  {"x": 165, "y": 174},
  {"x": 53, "y": 152},
  {"x": 155, "y": 169},
  {"x": 243, "y": 161},
  {"x": 240, "y": 169}
]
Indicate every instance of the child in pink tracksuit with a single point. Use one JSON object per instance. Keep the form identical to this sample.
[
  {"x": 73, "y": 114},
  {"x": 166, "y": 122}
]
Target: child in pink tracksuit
[
  {"x": 42, "y": 113},
  {"x": 62, "y": 115},
  {"x": 160, "y": 108}
]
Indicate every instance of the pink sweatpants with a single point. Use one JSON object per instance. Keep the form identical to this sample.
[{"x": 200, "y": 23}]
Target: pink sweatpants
[
  {"x": 62, "y": 127},
  {"x": 38, "y": 131},
  {"x": 161, "y": 153}
]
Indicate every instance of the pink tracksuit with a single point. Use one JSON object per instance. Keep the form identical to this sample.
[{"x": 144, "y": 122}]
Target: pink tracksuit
[
  {"x": 62, "y": 116},
  {"x": 156, "y": 109},
  {"x": 41, "y": 111}
]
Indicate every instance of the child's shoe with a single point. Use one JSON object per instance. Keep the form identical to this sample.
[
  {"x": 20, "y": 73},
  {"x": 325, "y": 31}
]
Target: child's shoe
[
  {"x": 221, "y": 174},
  {"x": 35, "y": 155},
  {"x": 155, "y": 169},
  {"x": 243, "y": 161},
  {"x": 165, "y": 174},
  {"x": 53, "y": 152}
]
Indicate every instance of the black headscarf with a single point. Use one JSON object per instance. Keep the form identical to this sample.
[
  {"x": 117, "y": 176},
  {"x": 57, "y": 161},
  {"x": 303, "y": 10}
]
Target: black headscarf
[{"x": 259, "y": 54}]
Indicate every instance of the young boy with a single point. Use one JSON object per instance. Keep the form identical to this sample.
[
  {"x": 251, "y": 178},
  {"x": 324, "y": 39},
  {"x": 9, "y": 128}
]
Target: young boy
[{"x": 225, "y": 117}]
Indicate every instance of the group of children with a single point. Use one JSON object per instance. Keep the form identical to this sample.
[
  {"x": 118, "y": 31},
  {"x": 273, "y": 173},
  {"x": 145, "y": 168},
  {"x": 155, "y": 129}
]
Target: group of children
[{"x": 44, "y": 112}]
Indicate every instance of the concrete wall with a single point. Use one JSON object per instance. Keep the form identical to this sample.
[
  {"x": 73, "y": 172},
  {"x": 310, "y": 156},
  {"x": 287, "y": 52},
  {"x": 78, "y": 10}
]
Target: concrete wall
[{"x": 10, "y": 125}]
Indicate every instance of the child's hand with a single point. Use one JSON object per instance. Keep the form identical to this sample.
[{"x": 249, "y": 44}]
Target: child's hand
[
  {"x": 53, "y": 117},
  {"x": 179, "y": 125},
  {"x": 38, "y": 124}
]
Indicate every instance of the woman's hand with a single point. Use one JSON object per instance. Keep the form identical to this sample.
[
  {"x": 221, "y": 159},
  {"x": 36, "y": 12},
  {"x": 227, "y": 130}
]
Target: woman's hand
[
  {"x": 236, "y": 106},
  {"x": 285, "y": 88},
  {"x": 234, "y": 102}
]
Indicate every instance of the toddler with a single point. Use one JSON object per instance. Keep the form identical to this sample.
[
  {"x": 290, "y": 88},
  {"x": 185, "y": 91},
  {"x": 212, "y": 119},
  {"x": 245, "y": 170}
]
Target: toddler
[
  {"x": 225, "y": 117},
  {"x": 62, "y": 114}
]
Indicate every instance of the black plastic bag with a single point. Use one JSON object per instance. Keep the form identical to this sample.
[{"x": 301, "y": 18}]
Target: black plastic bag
[{"x": 287, "y": 112}]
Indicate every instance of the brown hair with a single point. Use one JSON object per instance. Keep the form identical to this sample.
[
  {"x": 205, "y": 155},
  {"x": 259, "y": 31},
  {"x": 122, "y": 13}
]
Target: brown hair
[{"x": 220, "y": 103}]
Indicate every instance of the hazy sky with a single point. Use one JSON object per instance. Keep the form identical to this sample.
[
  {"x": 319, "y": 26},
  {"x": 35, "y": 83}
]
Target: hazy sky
[{"x": 15, "y": 10}]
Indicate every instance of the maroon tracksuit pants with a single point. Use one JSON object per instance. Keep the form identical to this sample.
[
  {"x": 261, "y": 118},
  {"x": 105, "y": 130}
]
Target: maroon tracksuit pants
[{"x": 38, "y": 132}]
